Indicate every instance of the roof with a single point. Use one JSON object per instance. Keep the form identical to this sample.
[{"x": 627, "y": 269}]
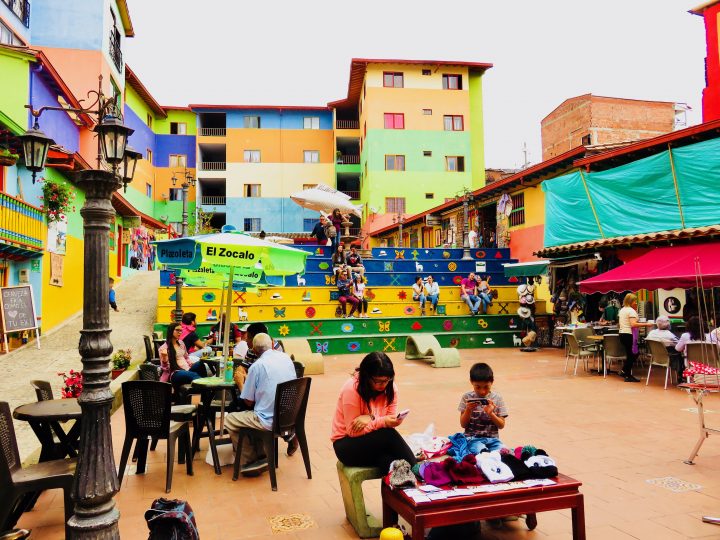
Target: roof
[
  {"x": 647, "y": 147},
  {"x": 53, "y": 77},
  {"x": 132, "y": 79},
  {"x": 123, "y": 207},
  {"x": 688, "y": 234},
  {"x": 359, "y": 65},
  {"x": 590, "y": 97},
  {"x": 262, "y": 107},
  {"x": 702, "y": 7},
  {"x": 125, "y": 18}
]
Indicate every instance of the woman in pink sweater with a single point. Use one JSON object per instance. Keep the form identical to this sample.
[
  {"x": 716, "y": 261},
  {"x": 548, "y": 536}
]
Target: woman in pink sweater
[{"x": 363, "y": 429}]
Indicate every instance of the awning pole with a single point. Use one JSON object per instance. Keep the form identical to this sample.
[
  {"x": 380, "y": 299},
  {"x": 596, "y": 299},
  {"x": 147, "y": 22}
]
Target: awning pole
[
  {"x": 677, "y": 188},
  {"x": 592, "y": 206}
]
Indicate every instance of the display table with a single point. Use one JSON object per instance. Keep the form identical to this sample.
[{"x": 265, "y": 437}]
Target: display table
[{"x": 483, "y": 506}]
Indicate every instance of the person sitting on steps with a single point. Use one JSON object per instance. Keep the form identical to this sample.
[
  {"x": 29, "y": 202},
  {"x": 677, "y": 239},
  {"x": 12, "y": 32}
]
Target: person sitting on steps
[
  {"x": 467, "y": 293},
  {"x": 344, "y": 284},
  {"x": 419, "y": 293},
  {"x": 432, "y": 292}
]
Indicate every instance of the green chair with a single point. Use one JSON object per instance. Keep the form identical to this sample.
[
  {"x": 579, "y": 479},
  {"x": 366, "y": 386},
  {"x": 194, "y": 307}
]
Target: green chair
[
  {"x": 351, "y": 479},
  {"x": 426, "y": 347}
]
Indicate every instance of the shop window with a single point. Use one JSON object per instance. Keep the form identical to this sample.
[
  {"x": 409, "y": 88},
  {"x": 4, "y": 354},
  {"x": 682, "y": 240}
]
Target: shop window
[
  {"x": 251, "y": 122},
  {"x": 453, "y": 122},
  {"x": 178, "y": 160},
  {"x": 251, "y": 190},
  {"x": 178, "y": 128},
  {"x": 395, "y": 205},
  {"x": 517, "y": 216},
  {"x": 394, "y": 162},
  {"x": 393, "y": 79},
  {"x": 455, "y": 163},
  {"x": 251, "y": 156},
  {"x": 394, "y": 121},
  {"x": 251, "y": 224},
  {"x": 452, "y": 82}
]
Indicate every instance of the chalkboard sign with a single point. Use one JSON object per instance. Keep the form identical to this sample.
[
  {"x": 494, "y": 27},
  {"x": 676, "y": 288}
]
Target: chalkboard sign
[{"x": 18, "y": 309}]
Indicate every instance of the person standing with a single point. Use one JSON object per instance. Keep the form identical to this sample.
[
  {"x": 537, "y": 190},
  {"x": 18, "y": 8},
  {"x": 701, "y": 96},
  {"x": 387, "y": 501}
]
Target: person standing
[
  {"x": 629, "y": 329},
  {"x": 337, "y": 218},
  {"x": 319, "y": 231},
  {"x": 113, "y": 301}
]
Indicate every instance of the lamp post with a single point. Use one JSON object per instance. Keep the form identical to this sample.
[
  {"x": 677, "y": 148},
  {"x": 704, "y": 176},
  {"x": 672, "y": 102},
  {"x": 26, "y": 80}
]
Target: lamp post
[
  {"x": 95, "y": 484},
  {"x": 466, "y": 227},
  {"x": 399, "y": 219},
  {"x": 187, "y": 182}
]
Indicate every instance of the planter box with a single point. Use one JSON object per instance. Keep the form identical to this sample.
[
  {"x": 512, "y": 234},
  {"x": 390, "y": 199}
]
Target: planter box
[{"x": 116, "y": 373}]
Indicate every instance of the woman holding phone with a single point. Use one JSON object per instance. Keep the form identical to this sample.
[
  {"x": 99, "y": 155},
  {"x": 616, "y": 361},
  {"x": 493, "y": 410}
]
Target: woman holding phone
[{"x": 363, "y": 428}]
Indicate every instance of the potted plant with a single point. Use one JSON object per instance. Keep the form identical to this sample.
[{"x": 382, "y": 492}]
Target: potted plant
[
  {"x": 57, "y": 199},
  {"x": 121, "y": 361},
  {"x": 72, "y": 384},
  {"x": 7, "y": 157}
]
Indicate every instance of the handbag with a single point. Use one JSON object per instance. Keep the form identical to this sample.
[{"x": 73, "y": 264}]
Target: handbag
[{"x": 171, "y": 519}]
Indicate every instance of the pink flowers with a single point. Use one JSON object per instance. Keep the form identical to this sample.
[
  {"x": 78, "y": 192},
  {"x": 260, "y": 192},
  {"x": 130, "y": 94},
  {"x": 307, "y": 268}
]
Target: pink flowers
[
  {"x": 73, "y": 381},
  {"x": 58, "y": 199}
]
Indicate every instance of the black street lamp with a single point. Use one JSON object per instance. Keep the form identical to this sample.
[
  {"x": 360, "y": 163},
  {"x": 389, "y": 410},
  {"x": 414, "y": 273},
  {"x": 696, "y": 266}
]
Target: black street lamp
[
  {"x": 187, "y": 182},
  {"x": 94, "y": 514}
]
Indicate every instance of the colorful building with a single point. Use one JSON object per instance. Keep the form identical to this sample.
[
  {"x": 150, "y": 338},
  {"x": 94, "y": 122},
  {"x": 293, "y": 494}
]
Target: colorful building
[{"x": 710, "y": 12}]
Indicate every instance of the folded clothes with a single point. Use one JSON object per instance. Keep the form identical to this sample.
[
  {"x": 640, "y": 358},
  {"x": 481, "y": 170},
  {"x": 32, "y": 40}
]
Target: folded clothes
[
  {"x": 436, "y": 474},
  {"x": 466, "y": 471},
  {"x": 493, "y": 468}
]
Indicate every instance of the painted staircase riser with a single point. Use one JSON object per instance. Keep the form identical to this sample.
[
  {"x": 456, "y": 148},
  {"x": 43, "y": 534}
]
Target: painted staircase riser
[
  {"x": 417, "y": 253},
  {"x": 421, "y": 267}
]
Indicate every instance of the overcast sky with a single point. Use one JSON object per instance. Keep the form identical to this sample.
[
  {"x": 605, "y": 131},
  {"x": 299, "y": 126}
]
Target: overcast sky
[{"x": 298, "y": 53}]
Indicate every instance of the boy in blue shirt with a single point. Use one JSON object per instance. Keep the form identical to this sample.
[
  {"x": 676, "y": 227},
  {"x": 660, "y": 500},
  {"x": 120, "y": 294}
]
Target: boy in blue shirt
[{"x": 113, "y": 303}]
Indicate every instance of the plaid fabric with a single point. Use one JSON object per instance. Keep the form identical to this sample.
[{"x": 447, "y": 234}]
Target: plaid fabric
[{"x": 703, "y": 374}]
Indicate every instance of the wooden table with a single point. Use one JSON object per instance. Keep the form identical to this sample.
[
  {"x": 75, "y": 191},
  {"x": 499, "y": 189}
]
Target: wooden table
[
  {"x": 207, "y": 386},
  {"x": 482, "y": 506},
  {"x": 44, "y": 418}
]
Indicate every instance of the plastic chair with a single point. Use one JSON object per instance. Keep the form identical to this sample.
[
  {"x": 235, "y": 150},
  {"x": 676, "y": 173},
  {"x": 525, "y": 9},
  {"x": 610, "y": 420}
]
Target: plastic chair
[
  {"x": 148, "y": 372},
  {"x": 43, "y": 390},
  {"x": 291, "y": 400},
  {"x": 16, "y": 481},
  {"x": 150, "y": 355},
  {"x": 147, "y": 415},
  {"x": 704, "y": 353},
  {"x": 299, "y": 369},
  {"x": 659, "y": 356},
  {"x": 612, "y": 350},
  {"x": 574, "y": 350}
]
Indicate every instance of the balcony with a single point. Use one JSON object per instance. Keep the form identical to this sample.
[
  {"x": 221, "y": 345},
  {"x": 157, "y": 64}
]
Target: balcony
[
  {"x": 354, "y": 195},
  {"x": 348, "y": 159},
  {"x": 213, "y": 132},
  {"x": 21, "y": 8},
  {"x": 115, "y": 52},
  {"x": 347, "y": 124},
  {"x": 21, "y": 224},
  {"x": 213, "y": 165},
  {"x": 213, "y": 200}
]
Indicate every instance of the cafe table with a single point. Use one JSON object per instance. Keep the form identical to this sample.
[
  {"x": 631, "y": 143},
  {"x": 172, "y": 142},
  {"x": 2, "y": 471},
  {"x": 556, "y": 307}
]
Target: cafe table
[
  {"x": 45, "y": 417},
  {"x": 207, "y": 387}
]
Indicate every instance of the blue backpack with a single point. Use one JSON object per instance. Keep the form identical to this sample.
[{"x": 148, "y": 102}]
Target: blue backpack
[{"x": 171, "y": 519}]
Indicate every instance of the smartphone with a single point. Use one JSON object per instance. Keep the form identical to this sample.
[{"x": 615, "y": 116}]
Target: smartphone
[
  {"x": 481, "y": 400},
  {"x": 402, "y": 414}
]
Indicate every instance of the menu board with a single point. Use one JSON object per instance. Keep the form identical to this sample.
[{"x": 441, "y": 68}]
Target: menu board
[{"x": 18, "y": 310}]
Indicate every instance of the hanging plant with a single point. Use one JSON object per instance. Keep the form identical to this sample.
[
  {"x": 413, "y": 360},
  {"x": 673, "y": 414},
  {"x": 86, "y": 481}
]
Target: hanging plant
[
  {"x": 57, "y": 199},
  {"x": 7, "y": 157}
]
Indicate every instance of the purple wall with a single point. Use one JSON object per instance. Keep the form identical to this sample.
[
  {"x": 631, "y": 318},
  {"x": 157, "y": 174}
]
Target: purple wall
[
  {"x": 143, "y": 138},
  {"x": 174, "y": 144},
  {"x": 55, "y": 124}
]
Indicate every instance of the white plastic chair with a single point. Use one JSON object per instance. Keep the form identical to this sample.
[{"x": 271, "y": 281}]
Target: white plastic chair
[
  {"x": 659, "y": 356},
  {"x": 613, "y": 350},
  {"x": 574, "y": 350}
]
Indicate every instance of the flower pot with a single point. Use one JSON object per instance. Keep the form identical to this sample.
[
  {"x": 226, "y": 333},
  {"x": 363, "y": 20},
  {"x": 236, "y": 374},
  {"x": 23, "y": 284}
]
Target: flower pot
[
  {"x": 7, "y": 161},
  {"x": 116, "y": 373}
]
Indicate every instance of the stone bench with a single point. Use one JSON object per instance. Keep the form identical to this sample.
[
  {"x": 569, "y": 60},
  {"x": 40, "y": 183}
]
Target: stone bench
[{"x": 351, "y": 479}]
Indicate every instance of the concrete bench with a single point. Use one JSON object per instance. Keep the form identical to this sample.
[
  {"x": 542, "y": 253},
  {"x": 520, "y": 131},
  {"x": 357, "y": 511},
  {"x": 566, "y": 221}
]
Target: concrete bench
[
  {"x": 351, "y": 479},
  {"x": 426, "y": 347},
  {"x": 299, "y": 351}
]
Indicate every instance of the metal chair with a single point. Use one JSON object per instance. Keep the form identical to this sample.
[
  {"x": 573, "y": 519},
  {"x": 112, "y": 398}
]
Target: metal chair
[
  {"x": 613, "y": 350},
  {"x": 574, "y": 350},
  {"x": 17, "y": 482},
  {"x": 147, "y": 415},
  {"x": 291, "y": 400},
  {"x": 659, "y": 356},
  {"x": 43, "y": 390}
]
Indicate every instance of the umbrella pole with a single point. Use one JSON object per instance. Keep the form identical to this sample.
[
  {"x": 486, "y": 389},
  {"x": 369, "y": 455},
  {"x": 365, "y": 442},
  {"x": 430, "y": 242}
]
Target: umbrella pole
[{"x": 226, "y": 342}]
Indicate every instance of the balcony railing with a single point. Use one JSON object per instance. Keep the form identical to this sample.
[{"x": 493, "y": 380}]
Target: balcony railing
[
  {"x": 115, "y": 52},
  {"x": 347, "y": 124},
  {"x": 213, "y": 132},
  {"x": 21, "y": 8},
  {"x": 348, "y": 159},
  {"x": 21, "y": 223},
  {"x": 212, "y": 165},
  {"x": 354, "y": 195},
  {"x": 213, "y": 200}
]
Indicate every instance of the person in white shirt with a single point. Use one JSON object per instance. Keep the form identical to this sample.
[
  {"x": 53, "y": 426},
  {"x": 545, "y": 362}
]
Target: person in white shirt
[
  {"x": 472, "y": 239},
  {"x": 432, "y": 292},
  {"x": 628, "y": 329},
  {"x": 662, "y": 332},
  {"x": 419, "y": 293},
  {"x": 358, "y": 291}
]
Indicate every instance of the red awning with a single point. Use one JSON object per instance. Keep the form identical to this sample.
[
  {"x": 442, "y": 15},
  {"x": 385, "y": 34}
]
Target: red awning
[{"x": 662, "y": 268}]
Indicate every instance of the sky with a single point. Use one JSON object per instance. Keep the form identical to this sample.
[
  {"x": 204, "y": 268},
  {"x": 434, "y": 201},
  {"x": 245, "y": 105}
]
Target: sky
[{"x": 274, "y": 52}]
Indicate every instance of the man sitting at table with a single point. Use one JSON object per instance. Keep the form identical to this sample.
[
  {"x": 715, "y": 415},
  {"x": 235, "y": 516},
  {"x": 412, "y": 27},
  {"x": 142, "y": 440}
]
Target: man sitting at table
[
  {"x": 216, "y": 332},
  {"x": 270, "y": 369}
]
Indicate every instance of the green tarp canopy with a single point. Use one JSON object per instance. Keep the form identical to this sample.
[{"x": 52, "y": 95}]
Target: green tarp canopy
[
  {"x": 671, "y": 190},
  {"x": 526, "y": 269}
]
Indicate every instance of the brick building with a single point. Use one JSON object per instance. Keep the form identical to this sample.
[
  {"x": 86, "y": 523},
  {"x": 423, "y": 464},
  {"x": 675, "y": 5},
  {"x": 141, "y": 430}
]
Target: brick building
[{"x": 592, "y": 120}]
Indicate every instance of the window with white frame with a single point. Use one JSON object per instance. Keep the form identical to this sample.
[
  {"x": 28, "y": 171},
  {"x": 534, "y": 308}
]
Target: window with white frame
[
  {"x": 311, "y": 122},
  {"x": 251, "y": 122},
  {"x": 394, "y": 205},
  {"x": 311, "y": 156},
  {"x": 251, "y": 156},
  {"x": 178, "y": 160},
  {"x": 176, "y": 194},
  {"x": 251, "y": 190}
]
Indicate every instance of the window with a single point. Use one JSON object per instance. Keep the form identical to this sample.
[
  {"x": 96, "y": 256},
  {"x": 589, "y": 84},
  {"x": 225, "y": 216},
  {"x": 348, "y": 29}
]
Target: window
[
  {"x": 427, "y": 112},
  {"x": 426, "y": 72},
  {"x": 392, "y": 79},
  {"x": 394, "y": 121},
  {"x": 309, "y": 224},
  {"x": 429, "y": 195},
  {"x": 394, "y": 163},
  {"x": 427, "y": 153},
  {"x": 148, "y": 190},
  {"x": 251, "y": 224},
  {"x": 7, "y": 37},
  {"x": 311, "y": 122},
  {"x": 149, "y": 120},
  {"x": 453, "y": 122},
  {"x": 455, "y": 163},
  {"x": 251, "y": 190},
  {"x": 178, "y": 160},
  {"x": 252, "y": 156},
  {"x": 176, "y": 194},
  {"x": 251, "y": 122},
  {"x": 178, "y": 128},
  {"x": 586, "y": 140},
  {"x": 517, "y": 216},
  {"x": 311, "y": 156},
  {"x": 394, "y": 205},
  {"x": 149, "y": 155},
  {"x": 452, "y": 82},
  {"x": 309, "y": 186}
]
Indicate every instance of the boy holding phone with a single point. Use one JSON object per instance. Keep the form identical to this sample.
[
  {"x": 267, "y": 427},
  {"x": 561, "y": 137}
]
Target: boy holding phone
[{"x": 482, "y": 411}]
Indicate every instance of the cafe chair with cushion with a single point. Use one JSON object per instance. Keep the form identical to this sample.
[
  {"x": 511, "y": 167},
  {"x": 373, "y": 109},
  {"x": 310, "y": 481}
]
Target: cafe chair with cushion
[
  {"x": 575, "y": 351},
  {"x": 43, "y": 390},
  {"x": 613, "y": 350},
  {"x": 16, "y": 481},
  {"x": 291, "y": 400},
  {"x": 147, "y": 415},
  {"x": 659, "y": 356}
]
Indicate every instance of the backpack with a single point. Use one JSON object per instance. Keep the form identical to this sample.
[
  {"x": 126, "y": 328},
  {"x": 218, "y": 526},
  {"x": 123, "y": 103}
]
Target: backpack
[
  {"x": 330, "y": 230},
  {"x": 171, "y": 519}
]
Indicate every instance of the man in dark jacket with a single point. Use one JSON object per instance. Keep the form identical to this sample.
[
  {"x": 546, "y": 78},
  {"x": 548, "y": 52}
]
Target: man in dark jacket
[{"x": 319, "y": 231}]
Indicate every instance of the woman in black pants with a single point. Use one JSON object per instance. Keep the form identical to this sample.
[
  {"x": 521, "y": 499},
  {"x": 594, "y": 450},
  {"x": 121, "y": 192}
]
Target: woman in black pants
[
  {"x": 628, "y": 324},
  {"x": 363, "y": 430}
]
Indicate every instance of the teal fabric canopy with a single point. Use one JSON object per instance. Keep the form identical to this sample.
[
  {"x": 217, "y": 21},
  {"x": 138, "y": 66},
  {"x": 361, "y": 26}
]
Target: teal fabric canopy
[{"x": 671, "y": 190}]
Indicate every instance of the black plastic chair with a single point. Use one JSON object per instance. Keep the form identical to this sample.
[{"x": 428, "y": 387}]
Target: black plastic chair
[
  {"x": 291, "y": 400},
  {"x": 16, "y": 482},
  {"x": 150, "y": 355},
  {"x": 299, "y": 369},
  {"x": 147, "y": 415},
  {"x": 148, "y": 371},
  {"x": 43, "y": 390}
]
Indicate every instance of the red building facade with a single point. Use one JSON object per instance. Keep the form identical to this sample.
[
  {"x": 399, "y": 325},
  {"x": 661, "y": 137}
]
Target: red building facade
[{"x": 710, "y": 11}]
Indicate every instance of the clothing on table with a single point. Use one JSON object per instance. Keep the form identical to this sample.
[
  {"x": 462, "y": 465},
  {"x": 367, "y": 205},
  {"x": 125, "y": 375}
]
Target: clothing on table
[
  {"x": 319, "y": 233},
  {"x": 480, "y": 424},
  {"x": 463, "y": 445}
]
